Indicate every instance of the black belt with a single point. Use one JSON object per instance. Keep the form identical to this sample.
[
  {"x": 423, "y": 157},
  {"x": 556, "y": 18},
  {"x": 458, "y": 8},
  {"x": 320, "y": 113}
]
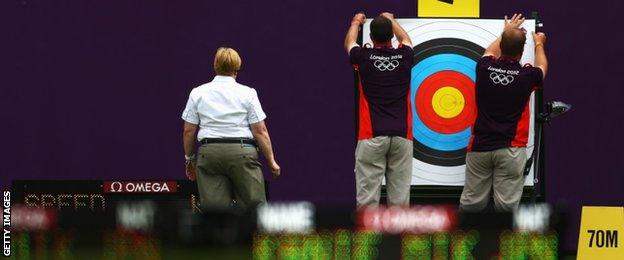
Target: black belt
[{"x": 228, "y": 141}]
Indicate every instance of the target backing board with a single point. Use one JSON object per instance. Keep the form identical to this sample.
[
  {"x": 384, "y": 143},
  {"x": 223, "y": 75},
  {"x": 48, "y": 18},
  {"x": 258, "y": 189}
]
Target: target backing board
[{"x": 442, "y": 92}]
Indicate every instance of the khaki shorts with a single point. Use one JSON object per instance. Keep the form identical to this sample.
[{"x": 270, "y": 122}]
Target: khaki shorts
[{"x": 500, "y": 170}]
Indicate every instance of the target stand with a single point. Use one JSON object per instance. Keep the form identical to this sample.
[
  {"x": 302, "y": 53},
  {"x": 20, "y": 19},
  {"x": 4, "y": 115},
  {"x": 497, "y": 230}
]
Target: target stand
[{"x": 442, "y": 88}]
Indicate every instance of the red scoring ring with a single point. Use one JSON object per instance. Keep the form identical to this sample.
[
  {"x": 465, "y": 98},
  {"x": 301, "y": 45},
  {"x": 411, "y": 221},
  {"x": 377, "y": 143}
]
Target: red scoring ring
[{"x": 425, "y": 110}]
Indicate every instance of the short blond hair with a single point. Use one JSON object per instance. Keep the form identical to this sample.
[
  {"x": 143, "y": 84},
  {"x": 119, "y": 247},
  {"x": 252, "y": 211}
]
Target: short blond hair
[{"x": 227, "y": 62}]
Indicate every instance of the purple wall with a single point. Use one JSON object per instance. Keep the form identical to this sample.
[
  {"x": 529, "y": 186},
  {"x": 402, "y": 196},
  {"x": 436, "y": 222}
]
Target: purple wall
[{"x": 94, "y": 89}]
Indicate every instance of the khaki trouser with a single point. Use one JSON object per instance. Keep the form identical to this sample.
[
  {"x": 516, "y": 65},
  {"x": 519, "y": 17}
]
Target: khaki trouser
[
  {"x": 501, "y": 169},
  {"x": 227, "y": 172},
  {"x": 383, "y": 156}
]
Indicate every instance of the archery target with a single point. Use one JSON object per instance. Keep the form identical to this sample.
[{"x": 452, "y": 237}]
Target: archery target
[{"x": 442, "y": 92}]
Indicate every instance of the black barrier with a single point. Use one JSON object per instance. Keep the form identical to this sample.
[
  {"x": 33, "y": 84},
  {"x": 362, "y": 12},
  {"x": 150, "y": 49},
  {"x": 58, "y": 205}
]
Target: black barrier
[{"x": 81, "y": 219}]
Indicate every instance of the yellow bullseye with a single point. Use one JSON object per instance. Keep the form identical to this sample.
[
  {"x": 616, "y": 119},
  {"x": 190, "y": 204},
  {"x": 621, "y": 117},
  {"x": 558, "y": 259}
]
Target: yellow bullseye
[{"x": 448, "y": 102}]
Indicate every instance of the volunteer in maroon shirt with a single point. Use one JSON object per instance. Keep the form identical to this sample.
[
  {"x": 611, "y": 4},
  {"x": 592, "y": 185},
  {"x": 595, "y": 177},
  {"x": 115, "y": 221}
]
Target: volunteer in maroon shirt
[
  {"x": 384, "y": 147},
  {"x": 497, "y": 150}
]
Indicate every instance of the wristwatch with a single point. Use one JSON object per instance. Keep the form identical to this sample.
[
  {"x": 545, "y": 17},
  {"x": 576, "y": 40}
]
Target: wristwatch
[{"x": 189, "y": 158}]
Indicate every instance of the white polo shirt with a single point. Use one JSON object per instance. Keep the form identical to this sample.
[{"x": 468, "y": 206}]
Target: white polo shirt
[{"x": 223, "y": 108}]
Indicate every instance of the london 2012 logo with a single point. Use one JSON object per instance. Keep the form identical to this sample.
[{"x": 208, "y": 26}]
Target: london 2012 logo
[
  {"x": 499, "y": 78},
  {"x": 386, "y": 65}
]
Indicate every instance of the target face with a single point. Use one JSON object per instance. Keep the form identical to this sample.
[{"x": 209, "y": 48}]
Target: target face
[
  {"x": 442, "y": 92},
  {"x": 442, "y": 88}
]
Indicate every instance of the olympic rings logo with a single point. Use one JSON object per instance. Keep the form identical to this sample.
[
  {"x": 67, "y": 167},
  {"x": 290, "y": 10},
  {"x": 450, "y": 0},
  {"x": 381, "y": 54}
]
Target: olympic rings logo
[
  {"x": 386, "y": 65},
  {"x": 499, "y": 78}
]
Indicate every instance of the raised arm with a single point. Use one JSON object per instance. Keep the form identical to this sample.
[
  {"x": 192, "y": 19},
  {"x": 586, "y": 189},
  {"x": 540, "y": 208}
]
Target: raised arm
[
  {"x": 352, "y": 33},
  {"x": 398, "y": 31},
  {"x": 494, "y": 48},
  {"x": 540, "y": 54}
]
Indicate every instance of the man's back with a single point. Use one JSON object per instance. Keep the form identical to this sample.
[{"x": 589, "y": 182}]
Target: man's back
[
  {"x": 497, "y": 153},
  {"x": 384, "y": 147},
  {"x": 385, "y": 75},
  {"x": 503, "y": 88}
]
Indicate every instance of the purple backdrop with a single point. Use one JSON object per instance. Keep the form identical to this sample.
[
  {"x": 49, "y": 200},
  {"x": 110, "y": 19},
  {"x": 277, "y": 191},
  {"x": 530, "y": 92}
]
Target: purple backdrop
[{"x": 94, "y": 89}]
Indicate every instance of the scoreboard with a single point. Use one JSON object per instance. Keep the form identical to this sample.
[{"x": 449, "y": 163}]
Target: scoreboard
[
  {"x": 149, "y": 219},
  {"x": 96, "y": 195}
]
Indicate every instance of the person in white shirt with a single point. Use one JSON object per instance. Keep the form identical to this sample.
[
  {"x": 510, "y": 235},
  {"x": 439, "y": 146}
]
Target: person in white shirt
[{"x": 231, "y": 129}]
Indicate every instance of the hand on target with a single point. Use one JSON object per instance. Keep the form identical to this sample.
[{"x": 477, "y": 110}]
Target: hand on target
[
  {"x": 515, "y": 22},
  {"x": 388, "y": 15},
  {"x": 359, "y": 18},
  {"x": 539, "y": 37}
]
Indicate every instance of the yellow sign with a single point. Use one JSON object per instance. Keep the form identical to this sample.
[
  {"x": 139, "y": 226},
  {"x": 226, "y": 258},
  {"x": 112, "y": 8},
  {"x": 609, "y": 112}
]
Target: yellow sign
[
  {"x": 601, "y": 233},
  {"x": 448, "y": 8}
]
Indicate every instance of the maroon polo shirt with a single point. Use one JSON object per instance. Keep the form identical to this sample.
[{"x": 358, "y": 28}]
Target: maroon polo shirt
[
  {"x": 384, "y": 86},
  {"x": 503, "y": 89}
]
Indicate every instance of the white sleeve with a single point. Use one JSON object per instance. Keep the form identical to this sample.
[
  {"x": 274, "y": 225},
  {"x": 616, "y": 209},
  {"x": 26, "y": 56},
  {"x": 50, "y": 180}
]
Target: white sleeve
[
  {"x": 254, "y": 109},
  {"x": 190, "y": 112}
]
